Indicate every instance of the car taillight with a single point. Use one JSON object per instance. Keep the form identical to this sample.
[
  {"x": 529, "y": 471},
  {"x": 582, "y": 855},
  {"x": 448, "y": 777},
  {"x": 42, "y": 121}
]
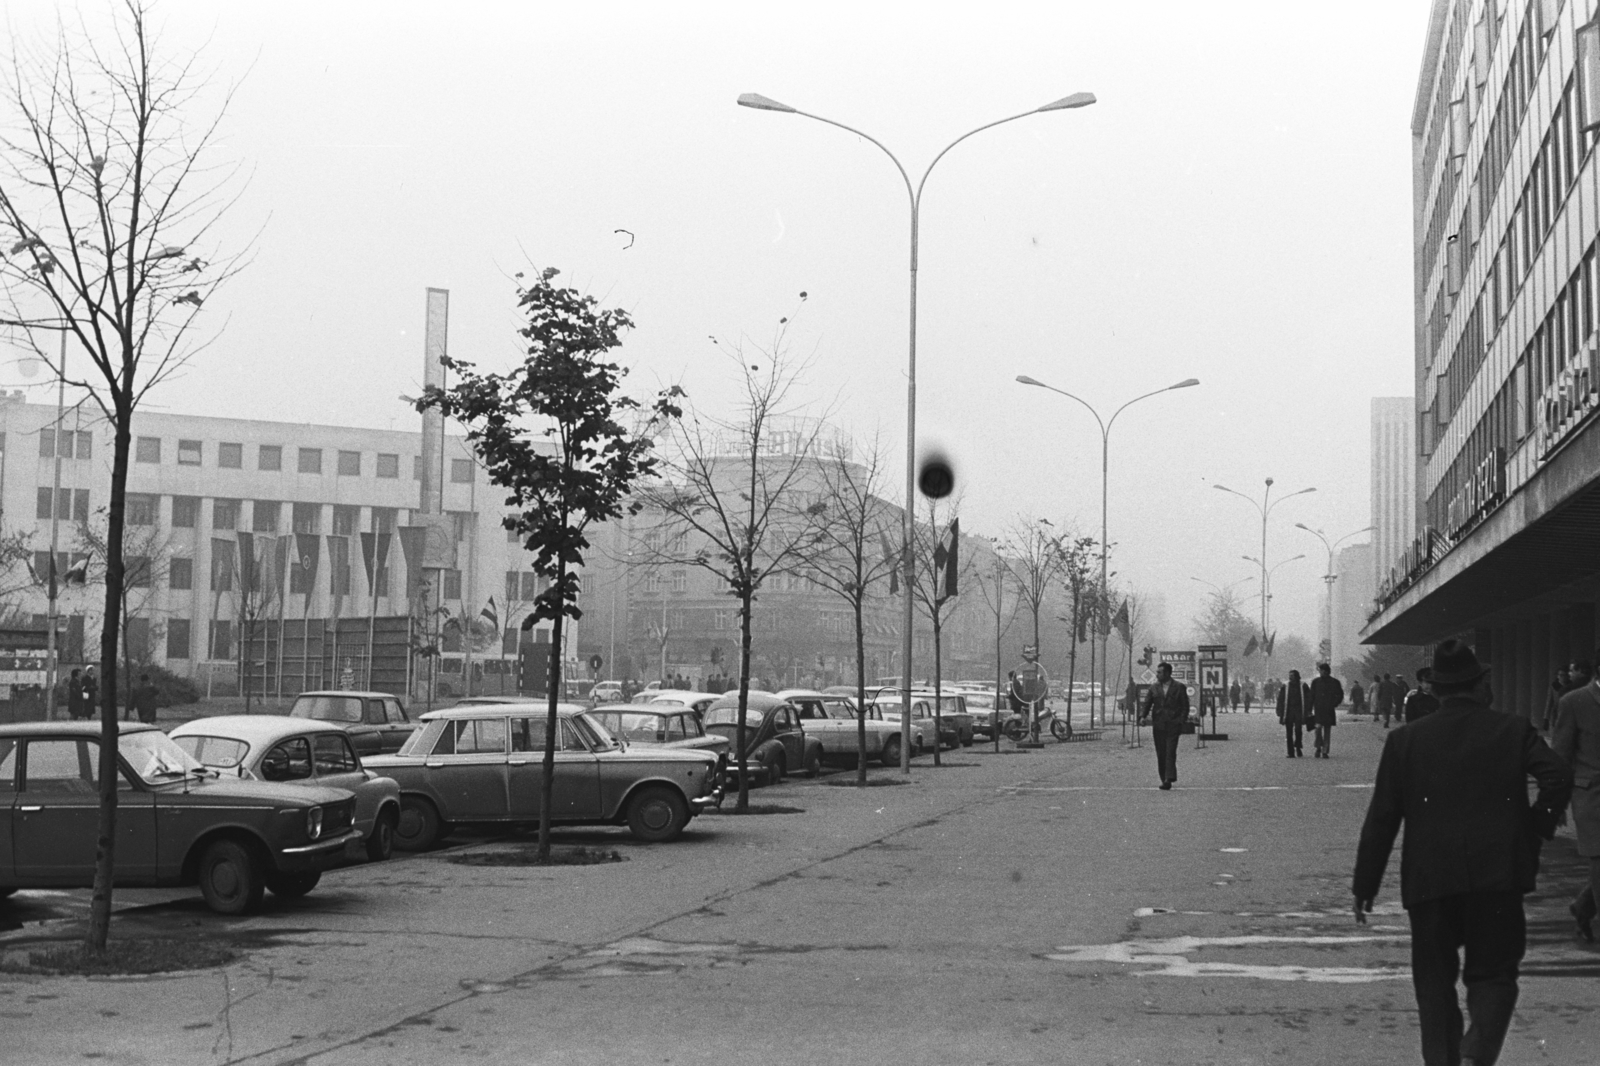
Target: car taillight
[{"x": 314, "y": 822}]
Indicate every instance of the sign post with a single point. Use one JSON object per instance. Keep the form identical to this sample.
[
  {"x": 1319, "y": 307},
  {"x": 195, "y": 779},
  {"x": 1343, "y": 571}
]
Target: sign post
[
  {"x": 1031, "y": 685},
  {"x": 1213, "y": 684}
]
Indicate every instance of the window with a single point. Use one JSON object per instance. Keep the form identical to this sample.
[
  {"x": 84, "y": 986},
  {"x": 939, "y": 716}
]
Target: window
[
  {"x": 222, "y": 567},
  {"x": 136, "y": 572},
  {"x": 461, "y": 471},
  {"x": 513, "y": 586},
  {"x": 530, "y": 586},
  {"x": 147, "y": 450},
  {"x": 269, "y": 457},
  {"x": 289, "y": 760},
  {"x": 73, "y": 505},
  {"x": 188, "y": 453},
  {"x": 224, "y": 514},
  {"x": 452, "y": 584},
  {"x": 527, "y": 734},
  {"x": 45, "y": 500},
  {"x": 65, "y": 766},
  {"x": 310, "y": 460},
  {"x": 346, "y": 520},
  {"x": 461, "y": 525},
  {"x": 332, "y": 755},
  {"x": 264, "y": 516},
  {"x": 388, "y": 465},
  {"x": 48, "y": 439},
  {"x": 178, "y": 637},
  {"x": 349, "y": 464},
  {"x": 308, "y": 518},
  {"x": 141, "y": 509},
  {"x": 680, "y": 580},
  {"x": 180, "y": 574},
  {"x": 185, "y": 512},
  {"x": 47, "y": 444},
  {"x": 221, "y": 646},
  {"x": 384, "y": 519},
  {"x": 85, "y": 445},
  {"x": 481, "y": 735},
  {"x": 508, "y": 641},
  {"x": 416, "y": 468},
  {"x": 230, "y": 456},
  {"x": 722, "y": 619}
]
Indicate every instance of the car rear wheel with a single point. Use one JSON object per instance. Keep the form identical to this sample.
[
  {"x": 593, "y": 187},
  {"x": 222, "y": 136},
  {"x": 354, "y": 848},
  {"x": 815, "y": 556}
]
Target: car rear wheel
[
  {"x": 814, "y": 764},
  {"x": 419, "y": 825},
  {"x": 657, "y": 815},
  {"x": 230, "y": 878},
  {"x": 293, "y": 886},
  {"x": 891, "y": 751},
  {"x": 380, "y": 845},
  {"x": 775, "y": 768}
]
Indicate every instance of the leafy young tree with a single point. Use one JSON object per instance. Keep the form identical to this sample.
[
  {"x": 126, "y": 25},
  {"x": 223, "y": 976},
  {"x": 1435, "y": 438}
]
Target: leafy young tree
[
  {"x": 109, "y": 197},
  {"x": 729, "y": 491},
  {"x": 849, "y": 558},
  {"x": 1080, "y": 575},
  {"x": 553, "y": 433}
]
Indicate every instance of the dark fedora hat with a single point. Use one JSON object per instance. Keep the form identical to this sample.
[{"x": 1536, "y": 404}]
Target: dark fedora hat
[{"x": 1454, "y": 663}]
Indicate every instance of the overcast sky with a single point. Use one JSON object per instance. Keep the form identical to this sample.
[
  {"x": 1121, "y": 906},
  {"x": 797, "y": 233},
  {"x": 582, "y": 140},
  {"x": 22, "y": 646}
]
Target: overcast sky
[{"x": 1235, "y": 208}]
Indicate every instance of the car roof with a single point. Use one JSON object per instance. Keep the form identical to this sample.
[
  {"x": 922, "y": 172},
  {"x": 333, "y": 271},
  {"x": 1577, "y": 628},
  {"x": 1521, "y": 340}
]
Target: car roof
[
  {"x": 80, "y": 728},
  {"x": 496, "y": 710},
  {"x": 348, "y": 692},
  {"x": 673, "y": 695},
  {"x": 757, "y": 701},
  {"x": 255, "y": 728},
  {"x": 808, "y": 694},
  {"x": 642, "y": 708}
]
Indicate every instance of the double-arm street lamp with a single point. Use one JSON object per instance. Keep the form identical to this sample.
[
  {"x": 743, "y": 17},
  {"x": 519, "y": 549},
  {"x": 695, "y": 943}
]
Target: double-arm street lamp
[
  {"x": 1265, "y": 508},
  {"x": 914, "y": 192},
  {"x": 1223, "y": 590},
  {"x": 1330, "y": 577},
  {"x": 1105, "y": 451},
  {"x": 1267, "y": 598}
]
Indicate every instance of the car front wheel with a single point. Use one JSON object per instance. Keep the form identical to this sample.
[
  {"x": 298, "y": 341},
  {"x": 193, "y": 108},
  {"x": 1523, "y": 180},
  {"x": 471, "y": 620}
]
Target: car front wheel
[
  {"x": 230, "y": 878},
  {"x": 380, "y": 845},
  {"x": 657, "y": 815},
  {"x": 419, "y": 824},
  {"x": 293, "y": 886},
  {"x": 891, "y": 751},
  {"x": 814, "y": 763}
]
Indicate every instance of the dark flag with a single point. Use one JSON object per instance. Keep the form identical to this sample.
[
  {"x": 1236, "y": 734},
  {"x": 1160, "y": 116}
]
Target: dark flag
[
  {"x": 1250, "y": 646},
  {"x": 1269, "y": 642},
  {"x": 1123, "y": 624},
  {"x": 946, "y": 563}
]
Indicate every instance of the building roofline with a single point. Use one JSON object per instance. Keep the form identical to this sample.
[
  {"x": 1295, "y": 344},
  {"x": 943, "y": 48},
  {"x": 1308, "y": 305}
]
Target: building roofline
[{"x": 1437, "y": 17}]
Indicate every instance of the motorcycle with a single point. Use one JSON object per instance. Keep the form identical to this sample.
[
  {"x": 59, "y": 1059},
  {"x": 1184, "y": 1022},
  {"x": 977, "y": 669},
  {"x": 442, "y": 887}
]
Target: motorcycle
[{"x": 1016, "y": 727}]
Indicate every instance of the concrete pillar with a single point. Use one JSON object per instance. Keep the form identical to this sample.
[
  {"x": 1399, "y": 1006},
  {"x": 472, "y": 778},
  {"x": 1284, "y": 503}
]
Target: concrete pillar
[
  {"x": 1581, "y": 632},
  {"x": 1502, "y": 663},
  {"x": 1560, "y": 640},
  {"x": 1522, "y": 644},
  {"x": 1540, "y": 663}
]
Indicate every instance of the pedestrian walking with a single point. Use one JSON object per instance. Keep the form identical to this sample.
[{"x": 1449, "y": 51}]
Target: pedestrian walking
[
  {"x": 91, "y": 693},
  {"x": 1577, "y": 740},
  {"x": 1422, "y": 702},
  {"x": 1559, "y": 686},
  {"x": 143, "y": 699},
  {"x": 1358, "y": 697},
  {"x": 1386, "y": 699},
  {"x": 1294, "y": 706},
  {"x": 1233, "y": 695},
  {"x": 75, "y": 696},
  {"x": 1166, "y": 708},
  {"x": 1326, "y": 695},
  {"x": 1457, "y": 779},
  {"x": 1249, "y": 693}
]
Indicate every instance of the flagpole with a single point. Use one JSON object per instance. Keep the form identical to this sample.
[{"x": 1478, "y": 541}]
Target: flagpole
[
  {"x": 372, "y": 601},
  {"x": 53, "y": 675},
  {"x": 280, "y": 556}
]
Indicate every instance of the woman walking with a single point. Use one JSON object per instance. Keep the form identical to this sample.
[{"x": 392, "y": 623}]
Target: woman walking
[{"x": 1294, "y": 707}]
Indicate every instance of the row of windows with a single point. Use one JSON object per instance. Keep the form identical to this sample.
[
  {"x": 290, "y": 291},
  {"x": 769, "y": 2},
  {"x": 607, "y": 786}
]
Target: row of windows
[
  {"x": 74, "y": 444},
  {"x": 269, "y": 457},
  {"x": 70, "y": 505}
]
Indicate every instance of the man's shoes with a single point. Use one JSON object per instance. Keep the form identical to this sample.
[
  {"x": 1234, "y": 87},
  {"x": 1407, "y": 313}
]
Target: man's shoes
[
  {"x": 1585, "y": 922},
  {"x": 1166, "y": 786}
]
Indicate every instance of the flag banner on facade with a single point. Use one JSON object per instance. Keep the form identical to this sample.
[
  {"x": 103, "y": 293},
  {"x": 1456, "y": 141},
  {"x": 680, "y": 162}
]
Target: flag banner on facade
[
  {"x": 891, "y": 557},
  {"x": 280, "y": 564},
  {"x": 1250, "y": 646},
  {"x": 247, "y": 563},
  {"x": 307, "y": 547},
  {"x": 413, "y": 542},
  {"x": 1123, "y": 624},
  {"x": 490, "y": 615},
  {"x": 338, "y": 570},
  {"x": 369, "y": 549}
]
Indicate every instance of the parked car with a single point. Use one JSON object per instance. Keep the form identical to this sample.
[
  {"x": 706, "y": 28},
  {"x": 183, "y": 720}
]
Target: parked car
[
  {"x": 659, "y": 723},
  {"x": 376, "y": 721},
  {"x": 695, "y": 701},
  {"x": 177, "y": 822},
  {"x": 981, "y": 705},
  {"x": 302, "y": 752},
  {"x": 833, "y": 720},
  {"x": 954, "y": 723},
  {"x": 606, "y": 692},
  {"x": 775, "y": 740},
  {"x": 484, "y": 765}
]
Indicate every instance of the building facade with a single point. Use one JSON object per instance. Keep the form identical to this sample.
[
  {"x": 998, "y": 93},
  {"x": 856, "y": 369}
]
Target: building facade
[
  {"x": 1352, "y": 600},
  {"x": 1506, "y": 209},
  {"x": 322, "y": 511},
  {"x": 1394, "y": 480}
]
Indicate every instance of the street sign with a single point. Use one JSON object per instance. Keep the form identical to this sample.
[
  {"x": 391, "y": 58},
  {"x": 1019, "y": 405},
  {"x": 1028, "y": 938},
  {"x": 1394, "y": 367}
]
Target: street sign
[
  {"x": 1031, "y": 683},
  {"x": 1030, "y": 652},
  {"x": 1213, "y": 676},
  {"x": 1182, "y": 663},
  {"x": 1147, "y": 677},
  {"x": 595, "y": 661}
]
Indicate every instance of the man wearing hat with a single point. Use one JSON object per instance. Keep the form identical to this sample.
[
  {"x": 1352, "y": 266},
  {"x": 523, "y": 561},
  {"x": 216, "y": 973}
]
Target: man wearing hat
[
  {"x": 1422, "y": 701},
  {"x": 1457, "y": 778}
]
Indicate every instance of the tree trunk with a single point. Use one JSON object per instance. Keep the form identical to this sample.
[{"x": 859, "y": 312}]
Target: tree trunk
[
  {"x": 745, "y": 596},
  {"x": 547, "y": 786},
  {"x": 861, "y": 698},
  {"x": 938, "y": 718},
  {"x": 105, "y": 855}
]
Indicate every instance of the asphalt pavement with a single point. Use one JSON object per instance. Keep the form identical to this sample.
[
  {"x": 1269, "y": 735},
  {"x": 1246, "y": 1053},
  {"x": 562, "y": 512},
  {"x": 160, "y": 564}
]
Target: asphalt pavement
[{"x": 1043, "y": 906}]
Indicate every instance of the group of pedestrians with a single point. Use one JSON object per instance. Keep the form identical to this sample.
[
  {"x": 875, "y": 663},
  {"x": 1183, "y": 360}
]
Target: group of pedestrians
[
  {"x": 80, "y": 693},
  {"x": 1313, "y": 704}
]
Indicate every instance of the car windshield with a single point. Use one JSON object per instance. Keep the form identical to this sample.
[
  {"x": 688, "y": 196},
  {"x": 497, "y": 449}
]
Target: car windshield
[
  {"x": 981, "y": 700},
  {"x": 328, "y": 708},
  {"x": 219, "y": 753},
  {"x": 155, "y": 757},
  {"x": 729, "y": 715},
  {"x": 599, "y": 738},
  {"x": 633, "y": 726}
]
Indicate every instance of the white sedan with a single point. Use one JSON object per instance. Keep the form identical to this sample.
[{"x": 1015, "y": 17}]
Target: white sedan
[{"x": 833, "y": 720}]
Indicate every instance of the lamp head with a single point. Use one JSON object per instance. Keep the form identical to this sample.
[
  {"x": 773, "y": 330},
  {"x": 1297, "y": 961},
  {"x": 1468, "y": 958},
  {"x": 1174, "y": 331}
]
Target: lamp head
[
  {"x": 1069, "y": 102},
  {"x": 1026, "y": 380},
  {"x": 763, "y": 103},
  {"x": 1222, "y": 488},
  {"x": 1184, "y": 384}
]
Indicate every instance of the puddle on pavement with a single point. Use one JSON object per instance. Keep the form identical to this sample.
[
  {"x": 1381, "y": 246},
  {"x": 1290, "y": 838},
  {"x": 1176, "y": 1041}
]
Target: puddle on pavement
[
  {"x": 649, "y": 957},
  {"x": 1170, "y": 958}
]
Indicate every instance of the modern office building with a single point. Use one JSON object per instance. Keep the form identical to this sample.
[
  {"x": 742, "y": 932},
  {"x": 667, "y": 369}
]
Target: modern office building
[
  {"x": 1506, "y": 210},
  {"x": 1394, "y": 479},
  {"x": 327, "y": 515},
  {"x": 1352, "y": 600}
]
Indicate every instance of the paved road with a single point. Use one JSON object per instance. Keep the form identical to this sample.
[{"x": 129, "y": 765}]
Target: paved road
[{"x": 1039, "y": 907}]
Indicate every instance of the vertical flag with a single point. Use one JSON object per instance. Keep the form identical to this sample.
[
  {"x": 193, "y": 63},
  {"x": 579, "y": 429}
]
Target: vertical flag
[
  {"x": 1250, "y": 646},
  {"x": 1124, "y": 624},
  {"x": 492, "y": 616}
]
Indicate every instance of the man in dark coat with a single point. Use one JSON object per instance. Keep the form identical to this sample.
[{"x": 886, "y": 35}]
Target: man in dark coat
[
  {"x": 1233, "y": 695},
  {"x": 1358, "y": 697},
  {"x": 1577, "y": 740},
  {"x": 91, "y": 693},
  {"x": 1326, "y": 695},
  {"x": 1421, "y": 703},
  {"x": 143, "y": 699},
  {"x": 75, "y": 696},
  {"x": 1458, "y": 780},
  {"x": 1294, "y": 707},
  {"x": 1166, "y": 708}
]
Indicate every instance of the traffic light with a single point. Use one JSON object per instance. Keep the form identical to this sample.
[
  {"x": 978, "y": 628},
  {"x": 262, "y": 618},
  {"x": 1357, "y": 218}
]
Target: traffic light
[{"x": 1149, "y": 655}]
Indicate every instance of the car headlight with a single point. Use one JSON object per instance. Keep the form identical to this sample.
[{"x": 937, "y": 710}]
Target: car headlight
[{"x": 314, "y": 823}]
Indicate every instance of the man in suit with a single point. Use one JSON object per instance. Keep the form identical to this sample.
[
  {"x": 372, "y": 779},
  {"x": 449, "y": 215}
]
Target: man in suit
[
  {"x": 1166, "y": 708},
  {"x": 1577, "y": 740},
  {"x": 1326, "y": 695},
  {"x": 1294, "y": 707},
  {"x": 1458, "y": 780},
  {"x": 1421, "y": 703}
]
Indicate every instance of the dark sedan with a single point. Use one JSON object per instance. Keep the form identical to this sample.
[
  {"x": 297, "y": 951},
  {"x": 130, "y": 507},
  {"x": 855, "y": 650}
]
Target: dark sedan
[
  {"x": 376, "y": 721},
  {"x": 776, "y": 741}
]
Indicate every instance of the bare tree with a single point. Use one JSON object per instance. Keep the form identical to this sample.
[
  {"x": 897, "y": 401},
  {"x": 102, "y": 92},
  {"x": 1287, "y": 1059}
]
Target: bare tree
[
  {"x": 942, "y": 568},
  {"x": 1032, "y": 548},
  {"x": 110, "y": 193},
  {"x": 147, "y": 557},
  {"x": 1080, "y": 577},
  {"x": 851, "y": 556},
  {"x": 992, "y": 590},
  {"x": 729, "y": 491}
]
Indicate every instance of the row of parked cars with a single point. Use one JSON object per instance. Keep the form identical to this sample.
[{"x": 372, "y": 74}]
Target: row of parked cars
[{"x": 245, "y": 804}]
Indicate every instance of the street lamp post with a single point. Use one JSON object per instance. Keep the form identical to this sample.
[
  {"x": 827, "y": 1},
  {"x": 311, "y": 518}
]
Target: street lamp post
[
  {"x": 1330, "y": 577},
  {"x": 1269, "y": 572},
  {"x": 1265, "y": 507},
  {"x": 1105, "y": 451},
  {"x": 763, "y": 103}
]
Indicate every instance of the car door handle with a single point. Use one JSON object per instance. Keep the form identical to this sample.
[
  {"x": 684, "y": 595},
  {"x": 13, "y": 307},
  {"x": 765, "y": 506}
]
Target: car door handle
[
  {"x": 433, "y": 764},
  {"x": 30, "y": 808}
]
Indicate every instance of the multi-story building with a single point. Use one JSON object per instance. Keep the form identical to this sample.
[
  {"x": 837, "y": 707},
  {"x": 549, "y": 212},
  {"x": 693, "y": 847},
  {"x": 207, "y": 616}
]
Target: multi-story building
[
  {"x": 1394, "y": 481},
  {"x": 327, "y": 513},
  {"x": 1506, "y": 204},
  {"x": 1352, "y": 601}
]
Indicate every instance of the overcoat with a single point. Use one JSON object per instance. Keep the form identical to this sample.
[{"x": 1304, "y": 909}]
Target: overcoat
[
  {"x": 1326, "y": 695},
  {"x": 1577, "y": 740},
  {"x": 1169, "y": 710},
  {"x": 1292, "y": 711}
]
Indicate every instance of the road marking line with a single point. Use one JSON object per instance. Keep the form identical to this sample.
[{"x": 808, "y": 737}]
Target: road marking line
[{"x": 1191, "y": 788}]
